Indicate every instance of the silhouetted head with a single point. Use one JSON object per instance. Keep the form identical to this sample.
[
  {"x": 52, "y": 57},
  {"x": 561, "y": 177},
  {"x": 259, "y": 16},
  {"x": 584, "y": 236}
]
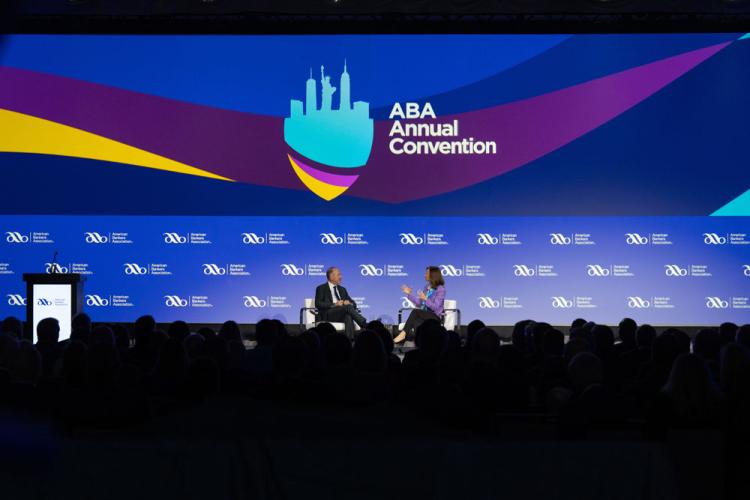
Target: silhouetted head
[
  {"x": 311, "y": 340},
  {"x": 28, "y": 366},
  {"x": 203, "y": 377},
  {"x": 369, "y": 354},
  {"x": 217, "y": 349},
  {"x": 230, "y": 331},
  {"x": 81, "y": 321},
  {"x": 195, "y": 346},
  {"x": 452, "y": 341},
  {"x": 690, "y": 389},
  {"x": 102, "y": 334},
  {"x": 707, "y": 344},
  {"x": 743, "y": 336},
  {"x": 518, "y": 337},
  {"x": 143, "y": 330},
  {"x": 266, "y": 333},
  {"x": 577, "y": 323},
  {"x": 81, "y": 335},
  {"x": 574, "y": 346},
  {"x": 280, "y": 327},
  {"x": 178, "y": 330},
  {"x": 290, "y": 358},
  {"x": 535, "y": 336},
  {"x": 385, "y": 336},
  {"x": 584, "y": 370},
  {"x": 553, "y": 343},
  {"x": 486, "y": 345},
  {"x": 734, "y": 371},
  {"x": 122, "y": 337},
  {"x": 8, "y": 350},
  {"x": 604, "y": 340},
  {"x": 173, "y": 360},
  {"x": 338, "y": 350},
  {"x": 626, "y": 332},
  {"x": 325, "y": 330},
  {"x": 12, "y": 326},
  {"x": 75, "y": 363},
  {"x": 430, "y": 337},
  {"x": 104, "y": 365},
  {"x": 644, "y": 336},
  {"x": 727, "y": 332},
  {"x": 471, "y": 329},
  {"x": 206, "y": 332},
  {"x": 682, "y": 338},
  {"x": 665, "y": 350},
  {"x": 48, "y": 331}
]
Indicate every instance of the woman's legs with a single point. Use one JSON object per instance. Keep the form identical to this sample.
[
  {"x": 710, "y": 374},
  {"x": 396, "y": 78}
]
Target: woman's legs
[{"x": 416, "y": 318}]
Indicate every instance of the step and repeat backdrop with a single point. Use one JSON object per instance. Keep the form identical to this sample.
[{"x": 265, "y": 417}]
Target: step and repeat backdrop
[{"x": 208, "y": 178}]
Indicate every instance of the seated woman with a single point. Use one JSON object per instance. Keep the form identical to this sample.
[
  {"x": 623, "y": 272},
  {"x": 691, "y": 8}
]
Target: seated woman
[{"x": 428, "y": 303}]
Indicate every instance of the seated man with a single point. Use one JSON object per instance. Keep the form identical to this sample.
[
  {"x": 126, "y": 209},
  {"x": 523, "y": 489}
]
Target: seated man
[{"x": 334, "y": 304}]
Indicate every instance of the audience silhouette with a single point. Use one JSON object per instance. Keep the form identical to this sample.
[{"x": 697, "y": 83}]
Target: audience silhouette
[{"x": 593, "y": 378}]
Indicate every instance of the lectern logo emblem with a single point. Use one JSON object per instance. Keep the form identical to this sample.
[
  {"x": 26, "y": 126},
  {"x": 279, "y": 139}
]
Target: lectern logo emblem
[
  {"x": 55, "y": 268},
  {"x": 41, "y": 301}
]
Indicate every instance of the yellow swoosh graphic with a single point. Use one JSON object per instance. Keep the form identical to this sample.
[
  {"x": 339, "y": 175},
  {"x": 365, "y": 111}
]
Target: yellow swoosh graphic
[
  {"x": 322, "y": 189},
  {"x": 22, "y": 133}
]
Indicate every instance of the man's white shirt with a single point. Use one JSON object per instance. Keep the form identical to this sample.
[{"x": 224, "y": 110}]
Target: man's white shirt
[{"x": 333, "y": 292}]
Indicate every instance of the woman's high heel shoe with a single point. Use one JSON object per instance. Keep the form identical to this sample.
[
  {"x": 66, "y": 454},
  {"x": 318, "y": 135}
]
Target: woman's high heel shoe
[{"x": 399, "y": 339}]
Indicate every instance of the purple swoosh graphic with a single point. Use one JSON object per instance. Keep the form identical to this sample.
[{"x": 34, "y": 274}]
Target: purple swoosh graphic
[
  {"x": 334, "y": 179},
  {"x": 250, "y": 148}
]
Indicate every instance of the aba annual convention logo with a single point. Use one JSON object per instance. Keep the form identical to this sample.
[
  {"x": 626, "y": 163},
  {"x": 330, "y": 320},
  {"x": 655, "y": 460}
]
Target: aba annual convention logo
[{"x": 339, "y": 140}]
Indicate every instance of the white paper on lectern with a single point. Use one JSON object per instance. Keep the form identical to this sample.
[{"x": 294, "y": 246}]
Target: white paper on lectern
[{"x": 53, "y": 301}]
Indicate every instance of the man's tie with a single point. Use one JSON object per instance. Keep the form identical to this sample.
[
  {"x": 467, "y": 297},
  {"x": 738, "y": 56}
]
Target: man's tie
[{"x": 336, "y": 291}]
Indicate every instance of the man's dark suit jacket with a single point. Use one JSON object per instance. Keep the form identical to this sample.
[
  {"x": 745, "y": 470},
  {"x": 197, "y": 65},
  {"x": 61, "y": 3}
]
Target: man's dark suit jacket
[{"x": 324, "y": 300}]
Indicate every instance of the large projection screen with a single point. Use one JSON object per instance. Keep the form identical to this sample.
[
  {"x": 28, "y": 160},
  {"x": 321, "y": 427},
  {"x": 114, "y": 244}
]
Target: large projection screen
[{"x": 213, "y": 177}]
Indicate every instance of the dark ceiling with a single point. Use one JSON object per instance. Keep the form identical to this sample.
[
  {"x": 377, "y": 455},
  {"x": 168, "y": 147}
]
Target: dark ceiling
[{"x": 373, "y": 15}]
